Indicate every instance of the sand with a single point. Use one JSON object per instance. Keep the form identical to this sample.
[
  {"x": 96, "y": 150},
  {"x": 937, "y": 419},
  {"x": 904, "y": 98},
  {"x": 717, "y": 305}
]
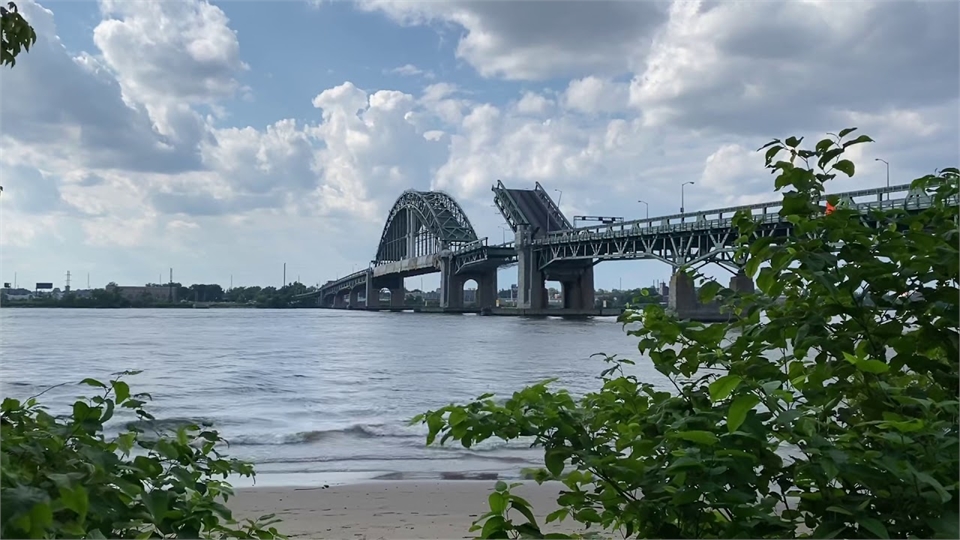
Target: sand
[{"x": 396, "y": 509}]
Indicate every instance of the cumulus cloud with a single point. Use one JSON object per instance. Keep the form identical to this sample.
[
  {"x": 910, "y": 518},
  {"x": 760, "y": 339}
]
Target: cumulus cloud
[
  {"x": 759, "y": 67},
  {"x": 593, "y": 94},
  {"x": 120, "y": 147},
  {"x": 539, "y": 39}
]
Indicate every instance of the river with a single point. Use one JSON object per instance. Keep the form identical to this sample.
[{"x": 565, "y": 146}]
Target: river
[{"x": 313, "y": 396}]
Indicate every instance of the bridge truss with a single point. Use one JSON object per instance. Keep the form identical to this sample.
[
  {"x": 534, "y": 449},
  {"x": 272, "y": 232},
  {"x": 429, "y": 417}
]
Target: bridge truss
[
  {"x": 697, "y": 238},
  {"x": 423, "y": 223}
]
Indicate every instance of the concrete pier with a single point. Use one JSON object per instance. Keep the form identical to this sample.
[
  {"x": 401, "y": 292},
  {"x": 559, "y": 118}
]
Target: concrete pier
[{"x": 685, "y": 302}]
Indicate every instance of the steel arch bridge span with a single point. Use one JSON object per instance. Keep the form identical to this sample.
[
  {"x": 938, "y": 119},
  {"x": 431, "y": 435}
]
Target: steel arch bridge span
[{"x": 423, "y": 223}]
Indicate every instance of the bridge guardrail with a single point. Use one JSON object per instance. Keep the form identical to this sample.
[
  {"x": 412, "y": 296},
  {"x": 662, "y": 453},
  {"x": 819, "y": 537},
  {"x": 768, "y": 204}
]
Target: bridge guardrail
[
  {"x": 656, "y": 223},
  {"x": 619, "y": 230}
]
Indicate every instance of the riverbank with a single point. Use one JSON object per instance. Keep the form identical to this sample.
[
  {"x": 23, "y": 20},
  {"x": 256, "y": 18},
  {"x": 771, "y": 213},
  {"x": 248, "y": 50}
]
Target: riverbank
[{"x": 403, "y": 509}]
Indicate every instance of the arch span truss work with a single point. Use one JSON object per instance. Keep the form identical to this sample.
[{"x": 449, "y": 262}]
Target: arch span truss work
[{"x": 423, "y": 223}]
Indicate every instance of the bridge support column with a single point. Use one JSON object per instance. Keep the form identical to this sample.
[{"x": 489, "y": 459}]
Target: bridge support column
[
  {"x": 340, "y": 301},
  {"x": 487, "y": 290},
  {"x": 531, "y": 289},
  {"x": 451, "y": 285},
  {"x": 579, "y": 293},
  {"x": 742, "y": 283},
  {"x": 373, "y": 292},
  {"x": 397, "y": 296},
  {"x": 683, "y": 294},
  {"x": 354, "y": 298}
]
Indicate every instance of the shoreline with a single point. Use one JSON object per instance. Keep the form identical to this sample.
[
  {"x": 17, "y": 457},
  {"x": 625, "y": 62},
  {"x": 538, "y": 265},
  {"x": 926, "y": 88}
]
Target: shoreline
[{"x": 381, "y": 509}]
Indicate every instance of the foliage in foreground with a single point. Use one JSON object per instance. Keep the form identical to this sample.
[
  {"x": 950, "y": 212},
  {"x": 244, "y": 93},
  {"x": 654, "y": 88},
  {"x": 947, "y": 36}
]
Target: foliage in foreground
[
  {"x": 16, "y": 34},
  {"x": 60, "y": 477},
  {"x": 831, "y": 413}
]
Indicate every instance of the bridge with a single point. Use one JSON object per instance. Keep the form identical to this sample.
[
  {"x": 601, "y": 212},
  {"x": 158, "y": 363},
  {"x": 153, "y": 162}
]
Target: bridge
[{"x": 427, "y": 232}]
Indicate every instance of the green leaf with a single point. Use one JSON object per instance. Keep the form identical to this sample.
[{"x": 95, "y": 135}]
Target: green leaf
[
  {"x": 873, "y": 366},
  {"x": 793, "y": 142},
  {"x": 525, "y": 510},
  {"x": 873, "y": 526},
  {"x": 697, "y": 436},
  {"x": 739, "y": 409},
  {"x": 93, "y": 382},
  {"x": 839, "y": 510},
  {"x": 946, "y": 526},
  {"x": 555, "y": 459},
  {"x": 122, "y": 391},
  {"x": 846, "y": 131},
  {"x": 40, "y": 519},
  {"x": 108, "y": 412},
  {"x": 557, "y": 515},
  {"x": 501, "y": 486},
  {"x": 156, "y": 502},
  {"x": 858, "y": 140},
  {"x": 771, "y": 153},
  {"x": 497, "y": 501},
  {"x": 75, "y": 499},
  {"x": 722, "y": 387},
  {"x": 494, "y": 528},
  {"x": 937, "y": 486},
  {"x": 845, "y": 166}
]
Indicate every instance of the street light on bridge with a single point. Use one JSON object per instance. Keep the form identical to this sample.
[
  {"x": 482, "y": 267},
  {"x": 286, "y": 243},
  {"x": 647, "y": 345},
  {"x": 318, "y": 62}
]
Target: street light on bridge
[
  {"x": 885, "y": 162},
  {"x": 560, "y": 198},
  {"x": 681, "y": 195},
  {"x": 648, "y": 208}
]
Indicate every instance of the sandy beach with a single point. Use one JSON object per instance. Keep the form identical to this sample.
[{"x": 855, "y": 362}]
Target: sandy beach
[{"x": 395, "y": 509}]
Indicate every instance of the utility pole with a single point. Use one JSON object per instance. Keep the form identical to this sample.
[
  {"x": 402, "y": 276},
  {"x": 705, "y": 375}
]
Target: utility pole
[
  {"x": 284, "y": 275},
  {"x": 88, "y": 280},
  {"x": 170, "y": 285}
]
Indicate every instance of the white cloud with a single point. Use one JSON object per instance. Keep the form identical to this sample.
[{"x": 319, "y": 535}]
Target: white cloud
[
  {"x": 410, "y": 70},
  {"x": 117, "y": 154},
  {"x": 593, "y": 94},
  {"x": 537, "y": 40}
]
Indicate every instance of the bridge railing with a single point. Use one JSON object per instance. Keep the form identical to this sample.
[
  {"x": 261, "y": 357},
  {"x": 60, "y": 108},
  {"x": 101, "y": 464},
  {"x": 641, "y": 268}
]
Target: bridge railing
[
  {"x": 910, "y": 203},
  {"x": 707, "y": 218}
]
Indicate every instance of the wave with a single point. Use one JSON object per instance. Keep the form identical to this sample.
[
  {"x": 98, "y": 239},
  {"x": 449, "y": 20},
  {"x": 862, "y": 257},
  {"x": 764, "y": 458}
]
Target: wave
[
  {"x": 457, "y": 456},
  {"x": 356, "y": 431},
  {"x": 396, "y": 434}
]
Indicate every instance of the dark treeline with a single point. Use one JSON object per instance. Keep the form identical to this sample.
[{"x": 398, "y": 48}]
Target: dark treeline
[{"x": 174, "y": 295}]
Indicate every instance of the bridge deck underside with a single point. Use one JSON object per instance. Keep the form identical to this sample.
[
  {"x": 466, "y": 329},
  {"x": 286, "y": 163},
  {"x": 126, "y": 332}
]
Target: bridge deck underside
[{"x": 535, "y": 211}]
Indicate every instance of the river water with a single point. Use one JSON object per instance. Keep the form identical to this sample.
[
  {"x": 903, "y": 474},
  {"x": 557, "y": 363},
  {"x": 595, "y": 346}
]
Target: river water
[{"x": 313, "y": 396}]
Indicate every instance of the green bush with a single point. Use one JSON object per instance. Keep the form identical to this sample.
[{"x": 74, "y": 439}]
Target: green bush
[
  {"x": 60, "y": 477},
  {"x": 826, "y": 407}
]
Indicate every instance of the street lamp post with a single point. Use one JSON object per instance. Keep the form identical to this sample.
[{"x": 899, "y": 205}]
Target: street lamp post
[
  {"x": 648, "y": 208},
  {"x": 560, "y": 198},
  {"x": 681, "y": 195},
  {"x": 885, "y": 162}
]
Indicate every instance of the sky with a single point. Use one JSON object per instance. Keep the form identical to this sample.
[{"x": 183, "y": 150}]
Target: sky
[{"x": 224, "y": 139}]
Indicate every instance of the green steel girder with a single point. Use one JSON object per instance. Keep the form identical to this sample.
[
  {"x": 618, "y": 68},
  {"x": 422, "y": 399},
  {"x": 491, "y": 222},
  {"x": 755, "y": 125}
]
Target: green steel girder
[{"x": 438, "y": 223}]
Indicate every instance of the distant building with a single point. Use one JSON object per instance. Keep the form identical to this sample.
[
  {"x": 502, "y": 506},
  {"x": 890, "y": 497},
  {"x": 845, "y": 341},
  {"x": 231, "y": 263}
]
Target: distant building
[
  {"x": 160, "y": 293},
  {"x": 663, "y": 290},
  {"x": 16, "y": 294}
]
